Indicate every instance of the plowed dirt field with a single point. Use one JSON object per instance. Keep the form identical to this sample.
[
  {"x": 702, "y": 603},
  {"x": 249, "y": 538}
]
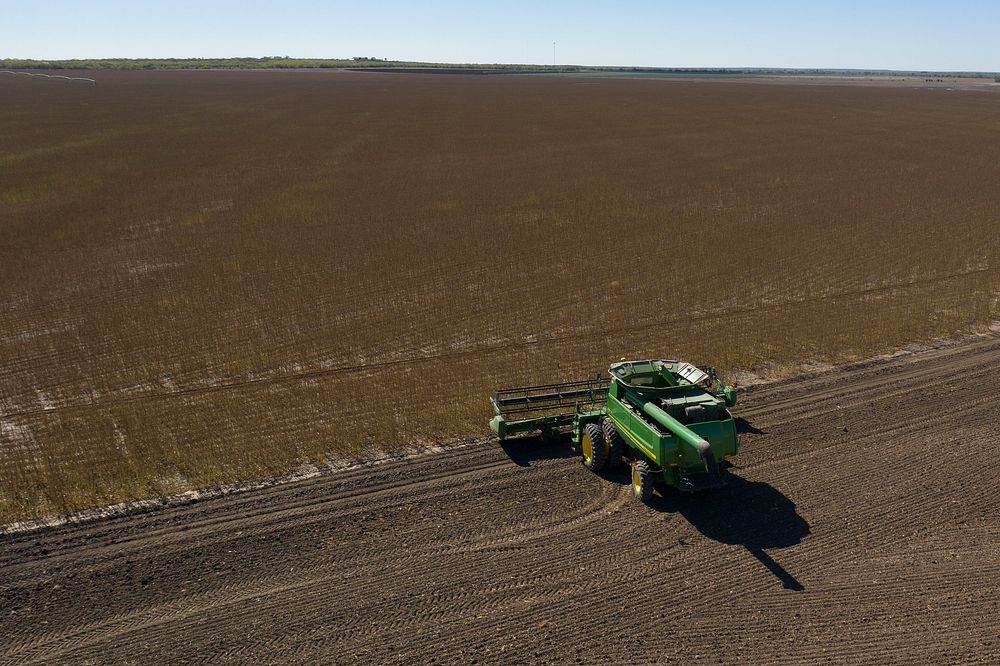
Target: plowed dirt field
[{"x": 861, "y": 526}]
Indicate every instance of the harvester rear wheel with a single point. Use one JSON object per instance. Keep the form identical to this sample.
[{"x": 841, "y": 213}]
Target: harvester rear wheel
[
  {"x": 593, "y": 447},
  {"x": 642, "y": 481},
  {"x": 616, "y": 445}
]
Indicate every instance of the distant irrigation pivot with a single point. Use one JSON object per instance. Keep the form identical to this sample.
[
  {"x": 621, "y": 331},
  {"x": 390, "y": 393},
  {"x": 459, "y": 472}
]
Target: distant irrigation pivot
[{"x": 51, "y": 76}]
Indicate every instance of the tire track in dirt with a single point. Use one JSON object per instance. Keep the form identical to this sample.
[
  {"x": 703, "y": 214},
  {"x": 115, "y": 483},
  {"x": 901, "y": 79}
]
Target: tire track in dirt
[{"x": 891, "y": 527}]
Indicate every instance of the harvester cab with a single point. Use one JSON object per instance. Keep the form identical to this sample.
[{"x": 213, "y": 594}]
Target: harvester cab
[{"x": 669, "y": 420}]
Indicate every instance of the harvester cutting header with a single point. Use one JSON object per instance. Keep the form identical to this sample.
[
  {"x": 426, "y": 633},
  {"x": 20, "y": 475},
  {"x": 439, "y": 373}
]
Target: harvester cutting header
[{"x": 668, "y": 419}]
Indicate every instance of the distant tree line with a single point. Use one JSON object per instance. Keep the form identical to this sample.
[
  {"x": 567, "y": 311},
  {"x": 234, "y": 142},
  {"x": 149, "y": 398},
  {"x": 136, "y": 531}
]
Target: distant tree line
[
  {"x": 276, "y": 62},
  {"x": 286, "y": 62},
  {"x": 271, "y": 62}
]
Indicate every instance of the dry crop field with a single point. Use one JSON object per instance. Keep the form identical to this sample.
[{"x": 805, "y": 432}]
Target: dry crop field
[{"x": 210, "y": 276}]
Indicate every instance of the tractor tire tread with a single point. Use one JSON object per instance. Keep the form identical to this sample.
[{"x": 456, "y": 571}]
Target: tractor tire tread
[
  {"x": 599, "y": 449},
  {"x": 644, "y": 490},
  {"x": 616, "y": 444}
]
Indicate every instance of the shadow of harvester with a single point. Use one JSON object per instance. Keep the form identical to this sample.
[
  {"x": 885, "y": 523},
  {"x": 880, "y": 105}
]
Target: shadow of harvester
[
  {"x": 743, "y": 426},
  {"x": 522, "y": 451},
  {"x": 751, "y": 514}
]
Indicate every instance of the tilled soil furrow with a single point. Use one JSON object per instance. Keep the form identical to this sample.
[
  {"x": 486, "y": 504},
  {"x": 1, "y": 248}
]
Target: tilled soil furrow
[
  {"x": 884, "y": 520},
  {"x": 50, "y": 646},
  {"x": 268, "y": 517},
  {"x": 843, "y": 406},
  {"x": 426, "y": 556},
  {"x": 826, "y": 386}
]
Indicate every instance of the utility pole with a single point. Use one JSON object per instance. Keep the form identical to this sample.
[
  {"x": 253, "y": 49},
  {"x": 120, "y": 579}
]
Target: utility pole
[{"x": 553, "y": 54}]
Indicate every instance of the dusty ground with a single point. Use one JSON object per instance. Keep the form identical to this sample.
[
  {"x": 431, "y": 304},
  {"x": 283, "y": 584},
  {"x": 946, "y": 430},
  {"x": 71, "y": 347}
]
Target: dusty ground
[{"x": 861, "y": 527}]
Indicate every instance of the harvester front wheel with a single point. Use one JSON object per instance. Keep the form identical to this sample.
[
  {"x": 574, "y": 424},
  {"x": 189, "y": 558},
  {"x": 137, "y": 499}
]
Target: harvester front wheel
[
  {"x": 593, "y": 447},
  {"x": 642, "y": 481},
  {"x": 616, "y": 445}
]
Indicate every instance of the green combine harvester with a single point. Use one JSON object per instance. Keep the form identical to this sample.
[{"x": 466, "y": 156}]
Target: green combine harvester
[{"x": 668, "y": 419}]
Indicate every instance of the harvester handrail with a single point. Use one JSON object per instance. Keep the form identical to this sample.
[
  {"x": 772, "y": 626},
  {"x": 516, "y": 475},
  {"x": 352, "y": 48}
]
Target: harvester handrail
[
  {"x": 577, "y": 382},
  {"x": 525, "y": 400},
  {"x": 543, "y": 397},
  {"x": 531, "y": 409}
]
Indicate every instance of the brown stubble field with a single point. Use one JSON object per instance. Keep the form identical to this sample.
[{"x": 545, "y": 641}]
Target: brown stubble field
[{"x": 212, "y": 276}]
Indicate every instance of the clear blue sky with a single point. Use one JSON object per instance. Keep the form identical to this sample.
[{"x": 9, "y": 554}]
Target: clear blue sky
[{"x": 888, "y": 34}]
